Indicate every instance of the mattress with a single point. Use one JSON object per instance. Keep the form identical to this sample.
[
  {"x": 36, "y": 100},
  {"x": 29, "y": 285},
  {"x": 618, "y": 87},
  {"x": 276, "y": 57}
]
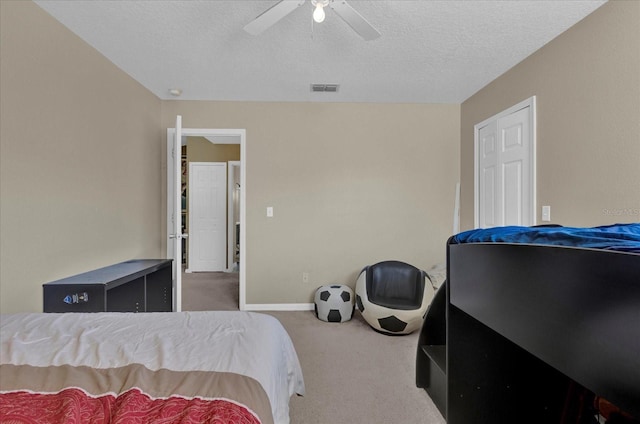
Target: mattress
[
  {"x": 618, "y": 237},
  {"x": 243, "y": 362}
]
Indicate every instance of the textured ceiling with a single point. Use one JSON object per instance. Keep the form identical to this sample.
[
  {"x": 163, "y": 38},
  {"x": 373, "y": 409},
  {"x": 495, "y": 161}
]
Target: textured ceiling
[{"x": 429, "y": 52}]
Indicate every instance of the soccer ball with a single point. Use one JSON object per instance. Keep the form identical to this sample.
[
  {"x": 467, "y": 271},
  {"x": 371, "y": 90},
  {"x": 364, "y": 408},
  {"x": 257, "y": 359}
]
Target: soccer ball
[{"x": 334, "y": 303}]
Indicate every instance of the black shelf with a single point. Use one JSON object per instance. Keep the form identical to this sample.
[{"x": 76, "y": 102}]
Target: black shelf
[
  {"x": 438, "y": 354},
  {"x": 431, "y": 358}
]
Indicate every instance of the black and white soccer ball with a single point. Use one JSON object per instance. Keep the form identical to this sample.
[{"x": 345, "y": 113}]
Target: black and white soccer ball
[{"x": 334, "y": 303}]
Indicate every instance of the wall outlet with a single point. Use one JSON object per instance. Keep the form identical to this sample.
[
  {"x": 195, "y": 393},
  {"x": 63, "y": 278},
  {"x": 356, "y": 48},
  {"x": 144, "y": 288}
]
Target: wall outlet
[{"x": 305, "y": 277}]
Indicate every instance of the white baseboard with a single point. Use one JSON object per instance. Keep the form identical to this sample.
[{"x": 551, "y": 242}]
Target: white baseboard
[{"x": 279, "y": 307}]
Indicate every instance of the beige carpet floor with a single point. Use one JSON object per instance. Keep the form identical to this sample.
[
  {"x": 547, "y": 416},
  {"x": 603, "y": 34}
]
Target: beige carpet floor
[
  {"x": 210, "y": 291},
  {"x": 352, "y": 374}
]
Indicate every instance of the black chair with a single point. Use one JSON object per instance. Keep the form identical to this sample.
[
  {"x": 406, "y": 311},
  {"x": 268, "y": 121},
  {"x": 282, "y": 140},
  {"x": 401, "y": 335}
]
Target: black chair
[{"x": 393, "y": 296}]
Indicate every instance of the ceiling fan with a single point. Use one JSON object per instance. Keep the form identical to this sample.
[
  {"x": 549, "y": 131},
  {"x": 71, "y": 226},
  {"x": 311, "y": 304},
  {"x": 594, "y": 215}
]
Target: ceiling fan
[{"x": 341, "y": 7}]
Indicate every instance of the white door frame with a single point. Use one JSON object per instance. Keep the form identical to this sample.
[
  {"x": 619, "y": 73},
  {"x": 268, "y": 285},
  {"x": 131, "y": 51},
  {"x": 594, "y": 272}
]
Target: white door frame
[
  {"x": 231, "y": 225},
  {"x": 237, "y": 136},
  {"x": 531, "y": 103}
]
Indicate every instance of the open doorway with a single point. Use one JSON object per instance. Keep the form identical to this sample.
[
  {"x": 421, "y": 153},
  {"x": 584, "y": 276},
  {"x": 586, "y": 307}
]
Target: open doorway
[
  {"x": 211, "y": 214},
  {"x": 215, "y": 136}
]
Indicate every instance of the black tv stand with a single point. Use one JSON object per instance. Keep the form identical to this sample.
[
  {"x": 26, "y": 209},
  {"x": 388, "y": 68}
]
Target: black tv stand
[{"x": 139, "y": 285}]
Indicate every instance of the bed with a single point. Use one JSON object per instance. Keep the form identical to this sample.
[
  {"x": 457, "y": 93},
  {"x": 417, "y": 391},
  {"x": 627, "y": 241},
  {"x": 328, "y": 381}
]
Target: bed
[
  {"x": 187, "y": 367},
  {"x": 537, "y": 326}
]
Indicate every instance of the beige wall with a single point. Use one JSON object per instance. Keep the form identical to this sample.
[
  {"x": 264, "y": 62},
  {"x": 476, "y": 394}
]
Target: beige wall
[
  {"x": 350, "y": 184},
  {"x": 199, "y": 149},
  {"x": 83, "y": 166},
  {"x": 587, "y": 83},
  {"x": 80, "y": 154}
]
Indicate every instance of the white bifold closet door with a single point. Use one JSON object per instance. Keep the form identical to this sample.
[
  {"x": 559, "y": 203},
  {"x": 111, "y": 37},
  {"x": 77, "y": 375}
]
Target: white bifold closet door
[{"x": 505, "y": 175}]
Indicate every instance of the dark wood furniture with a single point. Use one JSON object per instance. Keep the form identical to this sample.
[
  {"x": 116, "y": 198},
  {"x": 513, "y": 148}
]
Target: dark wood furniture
[
  {"x": 431, "y": 358},
  {"x": 530, "y": 328},
  {"x": 140, "y": 285}
]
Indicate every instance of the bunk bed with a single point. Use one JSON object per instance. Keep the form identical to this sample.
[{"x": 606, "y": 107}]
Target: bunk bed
[{"x": 535, "y": 325}]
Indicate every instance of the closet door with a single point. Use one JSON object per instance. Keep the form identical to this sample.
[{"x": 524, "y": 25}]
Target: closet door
[
  {"x": 505, "y": 168},
  {"x": 488, "y": 176}
]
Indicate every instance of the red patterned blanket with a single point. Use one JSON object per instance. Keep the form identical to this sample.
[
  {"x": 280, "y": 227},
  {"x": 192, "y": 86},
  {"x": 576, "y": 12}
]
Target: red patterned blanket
[
  {"x": 74, "y": 406},
  {"x": 131, "y": 394}
]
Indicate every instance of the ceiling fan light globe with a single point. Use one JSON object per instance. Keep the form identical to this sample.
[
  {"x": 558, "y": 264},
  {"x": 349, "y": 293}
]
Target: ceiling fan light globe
[{"x": 318, "y": 14}]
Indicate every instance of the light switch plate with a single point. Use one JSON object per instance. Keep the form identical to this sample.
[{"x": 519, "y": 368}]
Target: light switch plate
[{"x": 546, "y": 213}]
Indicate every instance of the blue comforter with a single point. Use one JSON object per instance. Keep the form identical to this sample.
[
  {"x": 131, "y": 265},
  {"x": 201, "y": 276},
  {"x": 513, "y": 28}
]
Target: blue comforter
[{"x": 620, "y": 237}]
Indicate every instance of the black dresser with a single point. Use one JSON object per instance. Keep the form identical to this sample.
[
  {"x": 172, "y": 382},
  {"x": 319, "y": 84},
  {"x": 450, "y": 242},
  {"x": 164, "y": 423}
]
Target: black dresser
[{"x": 139, "y": 285}]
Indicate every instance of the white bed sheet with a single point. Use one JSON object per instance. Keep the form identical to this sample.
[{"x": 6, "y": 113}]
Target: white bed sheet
[{"x": 246, "y": 343}]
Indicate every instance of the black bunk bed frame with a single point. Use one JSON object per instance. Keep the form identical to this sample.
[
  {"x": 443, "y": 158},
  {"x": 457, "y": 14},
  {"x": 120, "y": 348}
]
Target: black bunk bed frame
[{"x": 519, "y": 332}]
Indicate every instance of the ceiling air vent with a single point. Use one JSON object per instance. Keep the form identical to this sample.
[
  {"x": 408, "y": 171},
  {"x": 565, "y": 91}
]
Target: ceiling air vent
[{"x": 326, "y": 88}]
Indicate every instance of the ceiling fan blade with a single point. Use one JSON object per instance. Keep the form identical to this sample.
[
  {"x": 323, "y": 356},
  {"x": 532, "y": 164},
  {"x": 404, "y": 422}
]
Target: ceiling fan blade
[
  {"x": 272, "y": 15},
  {"x": 354, "y": 19}
]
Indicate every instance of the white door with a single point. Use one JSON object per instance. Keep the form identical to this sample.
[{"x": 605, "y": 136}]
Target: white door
[
  {"x": 488, "y": 176},
  {"x": 175, "y": 199},
  {"x": 514, "y": 142},
  {"x": 207, "y": 216},
  {"x": 505, "y": 168}
]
